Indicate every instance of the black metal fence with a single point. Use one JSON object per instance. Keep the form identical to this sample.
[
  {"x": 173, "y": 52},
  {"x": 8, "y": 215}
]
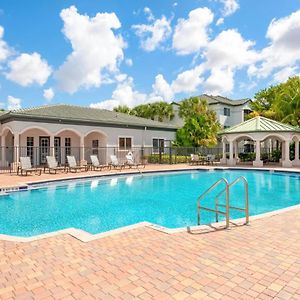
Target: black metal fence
[{"x": 9, "y": 156}]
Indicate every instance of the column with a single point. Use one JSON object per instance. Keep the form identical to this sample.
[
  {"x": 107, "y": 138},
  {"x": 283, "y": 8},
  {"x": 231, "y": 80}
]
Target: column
[
  {"x": 232, "y": 160},
  {"x": 286, "y": 162},
  {"x": 3, "y": 151},
  {"x": 224, "y": 158},
  {"x": 296, "y": 161},
  {"x": 16, "y": 149},
  {"x": 236, "y": 151},
  {"x": 82, "y": 154},
  {"x": 258, "y": 162},
  {"x": 52, "y": 152}
]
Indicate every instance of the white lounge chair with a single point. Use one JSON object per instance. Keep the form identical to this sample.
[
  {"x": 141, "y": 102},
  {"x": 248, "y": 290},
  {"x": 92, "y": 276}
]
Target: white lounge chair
[
  {"x": 115, "y": 163},
  {"x": 73, "y": 166},
  {"x": 131, "y": 163},
  {"x": 53, "y": 165},
  {"x": 96, "y": 164},
  {"x": 26, "y": 167}
]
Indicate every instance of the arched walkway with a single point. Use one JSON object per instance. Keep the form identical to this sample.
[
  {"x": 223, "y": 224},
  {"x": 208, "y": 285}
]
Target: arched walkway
[{"x": 95, "y": 142}]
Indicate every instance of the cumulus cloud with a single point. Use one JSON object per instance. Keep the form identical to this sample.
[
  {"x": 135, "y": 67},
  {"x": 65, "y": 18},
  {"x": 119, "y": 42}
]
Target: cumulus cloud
[
  {"x": 97, "y": 50},
  {"x": 162, "y": 91},
  {"x": 129, "y": 62},
  {"x": 154, "y": 34},
  {"x": 124, "y": 94},
  {"x": 48, "y": 94},
  {"x": 188, "y": 81},
  {"x": 284, "y": 48},
  {"x": 5, "y": 51},
  {"x": 27, "y": 69},
  {"x": 230, "y": 7},
  {"x": 284, "y": 74},
  {"x": 13, "y": 103},
  {"x": 220, "y": 81},
  {"x": 191, "y": 34}
]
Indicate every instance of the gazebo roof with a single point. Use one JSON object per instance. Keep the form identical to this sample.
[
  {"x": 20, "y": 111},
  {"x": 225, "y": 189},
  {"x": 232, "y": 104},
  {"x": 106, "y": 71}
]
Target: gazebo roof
[{"x": 260, "y": 124}]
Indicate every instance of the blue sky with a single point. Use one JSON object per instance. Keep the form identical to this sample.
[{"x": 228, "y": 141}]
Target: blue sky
[{"x": 104, "y": 52}]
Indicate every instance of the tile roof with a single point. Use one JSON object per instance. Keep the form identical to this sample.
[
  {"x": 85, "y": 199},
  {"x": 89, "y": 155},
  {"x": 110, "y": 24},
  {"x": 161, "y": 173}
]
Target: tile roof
[
  {"x": 84, "y": 114},
  {"x": 260, "y": 124}
]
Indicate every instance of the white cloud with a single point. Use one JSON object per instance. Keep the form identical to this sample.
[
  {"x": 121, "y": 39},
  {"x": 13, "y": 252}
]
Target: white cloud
[
  {"x": 220, "y": 81},
  {"x": 230, "y": 7},
  {"x": 284, "y": 74},
  {"x": 220, "y": 21},
  {"x": 48, "y": 94},
  {"x": 13, "y": 103},
  {"x": 124, "y": 94},
  {"x": 28, "y": 69},
  {"x": 188, "y": 81},
  {"x": 5, "y": 51},
  {"x": 284, "y": 48},
  {"x": 129, "y": 62},
  {"x": 153, "y": 34},
  {"x": 191, "y": 34},
  {"x": 96, "y": 53},
  {"x": 149, "y": 14},
  {"x": 162, "y": 91}
]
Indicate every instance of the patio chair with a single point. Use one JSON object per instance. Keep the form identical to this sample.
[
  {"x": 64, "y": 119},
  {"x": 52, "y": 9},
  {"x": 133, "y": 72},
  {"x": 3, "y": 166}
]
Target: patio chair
[
  {"x": 115, "y": 163},
  {"x": 53, "y": 165},
  {"x": 131, "y": 163},
  {"x": 73, "y": 166},
  {"x": 26, "y": 167},
  {"x": 210, "y": 159},
  {"x": 96, "y": 164},
  {"x": 196, "y": 160}
]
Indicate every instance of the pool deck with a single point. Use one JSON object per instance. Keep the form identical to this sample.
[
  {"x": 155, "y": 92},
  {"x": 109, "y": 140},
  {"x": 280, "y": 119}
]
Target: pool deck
[{"x": 259, "y": 261}]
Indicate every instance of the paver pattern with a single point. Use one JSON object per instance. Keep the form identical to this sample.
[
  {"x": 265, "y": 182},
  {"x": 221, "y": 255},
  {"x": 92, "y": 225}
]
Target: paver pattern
[{"x": 260, "y": 261}]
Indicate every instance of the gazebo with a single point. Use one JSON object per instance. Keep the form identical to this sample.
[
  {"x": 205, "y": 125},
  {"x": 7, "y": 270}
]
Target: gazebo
[{"x": 261, "y": 130}]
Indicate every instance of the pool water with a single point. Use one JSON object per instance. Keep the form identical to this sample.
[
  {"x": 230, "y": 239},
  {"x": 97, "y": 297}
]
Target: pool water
[{"x": 167, "y": 199}]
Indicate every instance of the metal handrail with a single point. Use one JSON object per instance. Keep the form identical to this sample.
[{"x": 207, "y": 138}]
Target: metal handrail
[
  {"x": 212, "y": 187},
  {"x": 246, "y": 209}
]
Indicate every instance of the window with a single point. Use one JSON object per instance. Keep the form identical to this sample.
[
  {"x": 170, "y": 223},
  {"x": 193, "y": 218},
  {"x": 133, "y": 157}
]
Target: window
[
  {"x": 158, "y": 145},
  {"x": 95, "y": 146},
  {"x": 246, "y": 113},
  {"x": 226, "y": 111},
  {"x": 30, "y": 147},
  {"x": 227, "y": 149},
  {"x": 125, "y": 143},
  {"x": 67, "y": 146}
]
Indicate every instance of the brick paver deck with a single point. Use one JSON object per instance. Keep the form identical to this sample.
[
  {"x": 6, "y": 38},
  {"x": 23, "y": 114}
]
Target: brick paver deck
[{"x": 257, "y": 261}]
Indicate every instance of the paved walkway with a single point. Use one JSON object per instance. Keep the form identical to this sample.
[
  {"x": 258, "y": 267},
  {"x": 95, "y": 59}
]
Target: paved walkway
[{"x": 257, "y": 261}]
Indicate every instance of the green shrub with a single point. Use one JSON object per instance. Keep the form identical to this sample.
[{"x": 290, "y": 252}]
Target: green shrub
[{"x": 165, "y": 159}]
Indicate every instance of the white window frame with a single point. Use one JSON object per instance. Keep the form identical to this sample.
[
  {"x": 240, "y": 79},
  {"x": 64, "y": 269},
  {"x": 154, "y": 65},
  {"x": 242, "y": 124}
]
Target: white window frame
[
  {"x": 125, "y": 137},
  {"x": 158, "y": 138}
]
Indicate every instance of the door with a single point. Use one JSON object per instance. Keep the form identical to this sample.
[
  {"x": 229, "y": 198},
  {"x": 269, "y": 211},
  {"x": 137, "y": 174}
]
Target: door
[
  {"x": 57, "y": 149},
  {"x": 44, "y": 148}
]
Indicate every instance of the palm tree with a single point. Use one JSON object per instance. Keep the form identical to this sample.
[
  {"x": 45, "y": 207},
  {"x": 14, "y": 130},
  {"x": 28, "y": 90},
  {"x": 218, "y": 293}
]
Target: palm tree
[{"x": 122, "y": 109}]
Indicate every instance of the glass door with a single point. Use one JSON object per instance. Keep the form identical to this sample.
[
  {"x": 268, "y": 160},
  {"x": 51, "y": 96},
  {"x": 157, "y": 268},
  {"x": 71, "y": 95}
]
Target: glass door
[
  {"x": 44, "y": 148},
  {"x": 57, "y": 149}
]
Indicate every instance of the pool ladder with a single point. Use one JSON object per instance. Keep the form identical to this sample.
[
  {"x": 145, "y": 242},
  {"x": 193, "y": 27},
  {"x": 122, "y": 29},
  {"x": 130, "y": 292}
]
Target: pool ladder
[{"x": 227, "y": 206}]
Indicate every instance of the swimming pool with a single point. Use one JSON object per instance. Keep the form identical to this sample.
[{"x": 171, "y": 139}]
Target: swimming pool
[{"x": 167, "y": 199}]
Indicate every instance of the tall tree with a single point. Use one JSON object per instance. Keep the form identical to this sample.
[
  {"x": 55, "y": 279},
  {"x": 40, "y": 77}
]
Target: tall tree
[
  {"x": 201, "y": 125},
  {"x": 123, "y": 109},
  {"x": 280, "y": 102}
]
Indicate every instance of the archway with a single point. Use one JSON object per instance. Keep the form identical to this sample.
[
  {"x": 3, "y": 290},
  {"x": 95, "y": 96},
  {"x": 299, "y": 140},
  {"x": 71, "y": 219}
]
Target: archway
[
  {"x": 67, "y": 142},
  {"x": 95, "y": 143},
  {"x": 244, "y": 148},
  {"x": 7, "y": 147},
  {"x": 272, "y": 148}
]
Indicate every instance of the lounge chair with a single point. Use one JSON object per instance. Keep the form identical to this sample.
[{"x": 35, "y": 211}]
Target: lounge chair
[
  {"x": 210, "y": 159},
  {"x": 195, "y": 160},
  {"x": 115, "y": 163},
  {"x": 53, "y": 165},
  {"x": 73, "y": 166},
  {"x": 131, "y": 163},
  {"x": 26, "y": 167},
  {"x": 96, "y": 164}
]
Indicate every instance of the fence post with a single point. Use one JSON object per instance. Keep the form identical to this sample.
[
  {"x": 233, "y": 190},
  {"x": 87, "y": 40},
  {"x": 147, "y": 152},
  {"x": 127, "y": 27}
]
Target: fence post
[{"x": 170, "y": 155}]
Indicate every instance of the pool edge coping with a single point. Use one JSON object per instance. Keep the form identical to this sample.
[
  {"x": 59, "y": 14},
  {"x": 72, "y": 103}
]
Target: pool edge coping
[{"x": 86, "y": 237}]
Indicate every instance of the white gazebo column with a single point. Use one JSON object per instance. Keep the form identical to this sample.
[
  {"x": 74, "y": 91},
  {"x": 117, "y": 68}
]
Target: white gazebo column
[
  {"x": 257, "y": 162},
  {"x": 82, "y": 155},
  {"x": 296, "y": 161},
  {"x": 236, "y": 151},
  {"x": 52, "y": 145},
  {"x": 231, "y": 161},
  {"x": 224, "y": 158},
  {"x": 286, "y": 162}
]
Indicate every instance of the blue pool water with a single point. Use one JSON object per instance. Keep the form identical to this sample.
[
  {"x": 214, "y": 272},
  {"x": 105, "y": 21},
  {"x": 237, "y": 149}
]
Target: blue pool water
[{"x": 169, "y": 200}]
